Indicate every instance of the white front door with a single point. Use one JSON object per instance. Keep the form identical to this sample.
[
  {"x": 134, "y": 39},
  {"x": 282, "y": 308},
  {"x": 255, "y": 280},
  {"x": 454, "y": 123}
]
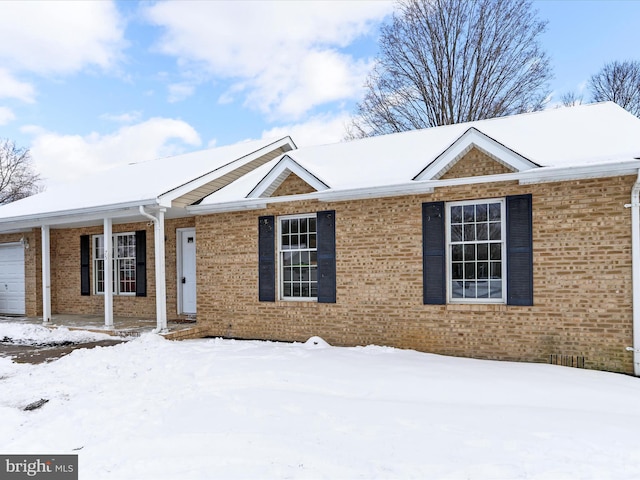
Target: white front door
[
  {"x": 187, "y": 270},
  {"x": 12, "y": 279}
]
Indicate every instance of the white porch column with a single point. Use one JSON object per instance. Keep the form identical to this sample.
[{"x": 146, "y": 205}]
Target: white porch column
[
  {"x": 46, "y": 275},
  {"x": 108, "y": 273},
  {"x": 161, "y": 283}
]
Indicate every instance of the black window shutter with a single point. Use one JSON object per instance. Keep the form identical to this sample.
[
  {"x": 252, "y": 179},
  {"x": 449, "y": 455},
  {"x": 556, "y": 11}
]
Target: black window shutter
[
  {"x": 141, "y": 263},
  {"x": 326, "y": 256},
  {"x": 519, "y": 250},
  {"x": 85, "y": 262},
  {"x": 433, "y": 254},
  {"x": 266, "y": 259}
]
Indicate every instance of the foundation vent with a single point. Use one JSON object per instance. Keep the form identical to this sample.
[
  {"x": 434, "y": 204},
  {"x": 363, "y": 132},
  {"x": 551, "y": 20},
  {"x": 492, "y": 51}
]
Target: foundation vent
[{"x": 567, "y": 360}]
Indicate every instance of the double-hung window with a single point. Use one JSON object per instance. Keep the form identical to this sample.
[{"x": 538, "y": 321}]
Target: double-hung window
[
  {"x": 475, "y": 250},
  {"x": 478, "y": 251},
  {"x": 298, "y": 255},
  {"x": 124, "y": 263}
]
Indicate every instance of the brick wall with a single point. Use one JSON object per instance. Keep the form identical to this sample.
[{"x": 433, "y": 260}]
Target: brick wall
[
  {"x": 33, "y": 274},
  {"x": 65, "y": 276},
  {"x": 292, "y": 185},
  {"x": 171, "y": 267},
  {"x": 582, "y": 278},
  {"x": 481, "y": 164}
]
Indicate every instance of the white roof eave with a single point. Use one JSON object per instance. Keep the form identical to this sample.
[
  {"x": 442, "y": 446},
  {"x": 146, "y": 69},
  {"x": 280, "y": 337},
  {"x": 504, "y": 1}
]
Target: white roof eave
[
  {"x": 78, "y": 215},
  {"x": 177, "y": 192},
  {"x": 533, "y": 176}
]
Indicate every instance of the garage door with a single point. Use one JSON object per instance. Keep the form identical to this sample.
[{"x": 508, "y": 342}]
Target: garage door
[{"x": 12, "y": 279}]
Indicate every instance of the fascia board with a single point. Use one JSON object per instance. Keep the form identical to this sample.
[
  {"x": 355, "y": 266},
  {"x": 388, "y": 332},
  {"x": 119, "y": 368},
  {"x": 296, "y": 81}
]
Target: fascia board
[
  {"x": 76, "y": 215},
  {"x": 178, "y": 192},
  {"x": 236, "y": 206},
  {"x": 250, "y": 203},
  {"x": 287, "y": 141},
  {"x": 559, "y": 174},
  {"x": 469, "y": 139},
  {"x": 541, "y": 175},
  {"x": 547, "y": 174},
  {"x": 278, "y": 173},
  {"x": 323, "y": 196},
  {"x": 412, "y": 188}
]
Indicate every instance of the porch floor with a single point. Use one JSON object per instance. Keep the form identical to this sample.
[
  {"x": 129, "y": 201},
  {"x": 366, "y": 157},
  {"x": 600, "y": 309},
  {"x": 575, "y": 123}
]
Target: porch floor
[{"x": 122, "y": 326}]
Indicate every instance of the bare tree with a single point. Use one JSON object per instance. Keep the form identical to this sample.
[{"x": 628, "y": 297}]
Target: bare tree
[
  {"x": 618, "y": 82},
  {"x": 451, "y": 61},
  {"x": 18, "y": 179},
  {"x": 571, "y": 99}
]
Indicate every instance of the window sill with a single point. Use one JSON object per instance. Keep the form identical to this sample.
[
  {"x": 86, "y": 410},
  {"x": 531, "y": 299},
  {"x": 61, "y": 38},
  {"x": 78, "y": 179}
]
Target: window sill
[
  {"x": 297, "y": 303},
  {"x": 101, "y": 294},
  {"x": 476, "y": 307}
]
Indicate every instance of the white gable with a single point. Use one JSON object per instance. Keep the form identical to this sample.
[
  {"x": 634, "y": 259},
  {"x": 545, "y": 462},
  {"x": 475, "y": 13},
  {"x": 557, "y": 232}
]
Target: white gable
[
  {"x": 279, "y": 173},
  {"x": 468, "y": 140}
]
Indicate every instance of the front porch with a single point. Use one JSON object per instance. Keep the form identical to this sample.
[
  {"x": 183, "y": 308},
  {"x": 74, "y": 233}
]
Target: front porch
[{"x": 122, "y": 326}]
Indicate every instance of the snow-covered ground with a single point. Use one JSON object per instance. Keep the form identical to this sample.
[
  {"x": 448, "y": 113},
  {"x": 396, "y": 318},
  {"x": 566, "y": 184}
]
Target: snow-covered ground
[
  {"x": 203, "y": 409},
  {"x": 30, "y": 334}
]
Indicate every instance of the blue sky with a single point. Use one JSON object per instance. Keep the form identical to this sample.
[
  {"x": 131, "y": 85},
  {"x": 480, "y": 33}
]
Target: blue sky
[{"x": 89, "y": 85}]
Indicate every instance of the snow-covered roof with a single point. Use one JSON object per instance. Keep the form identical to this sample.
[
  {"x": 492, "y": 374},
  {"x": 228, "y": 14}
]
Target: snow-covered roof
[
  {"x": 578, "y": 142},
  {"x": 563, "y": 138},
  {"x": 163, "y": 181}
]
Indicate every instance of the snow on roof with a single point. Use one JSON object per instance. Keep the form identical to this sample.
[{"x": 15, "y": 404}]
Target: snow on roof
[
  {"x": 138, "y": 182},
  {"x": 595, "y": 134},
  {"x": 564, "y": 137}
]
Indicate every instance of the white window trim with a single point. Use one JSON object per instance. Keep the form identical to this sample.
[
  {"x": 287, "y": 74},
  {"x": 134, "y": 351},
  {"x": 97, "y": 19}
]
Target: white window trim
[
  {"x": 280, "y": 266},
  {"x": 503, "y": 232},
  {"x": 114, "y": 274}
]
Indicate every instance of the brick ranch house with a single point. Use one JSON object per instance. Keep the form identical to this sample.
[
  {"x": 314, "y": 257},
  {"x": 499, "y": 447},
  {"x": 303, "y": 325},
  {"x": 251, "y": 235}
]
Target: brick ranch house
[{"x": 516, "y": 238}]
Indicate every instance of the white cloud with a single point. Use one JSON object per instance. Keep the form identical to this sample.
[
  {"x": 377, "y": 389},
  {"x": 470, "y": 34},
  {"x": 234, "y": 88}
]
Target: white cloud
[
  {"x": 33, "y": 130},
  {"x": 127, "y": 117},
  {"x": 180, "y": 91},
  {"x": 317, "y": 130},
  {"x": 323, "y": 76},
  {"x": 61, "y": 158},
  {"x": 283, "y": 56},
  {"x": 10, "y": 87},
  {"x": 6, "y": 115},
  {"x": 59, "y": 37}
]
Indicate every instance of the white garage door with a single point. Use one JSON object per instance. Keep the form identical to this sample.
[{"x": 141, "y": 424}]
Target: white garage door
[{"x": 12, "y": 279}]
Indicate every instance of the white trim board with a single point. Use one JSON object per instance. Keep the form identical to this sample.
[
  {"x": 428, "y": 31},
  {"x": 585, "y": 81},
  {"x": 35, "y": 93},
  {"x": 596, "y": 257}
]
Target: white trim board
[
  {"x": 279, "y": 173},
  {"x": 469, "y": 139}
]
